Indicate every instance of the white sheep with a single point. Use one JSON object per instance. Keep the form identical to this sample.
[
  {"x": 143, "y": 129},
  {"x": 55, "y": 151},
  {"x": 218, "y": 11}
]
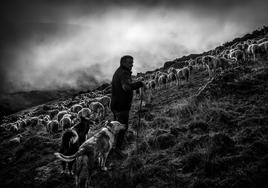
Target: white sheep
[
  {"x": 151, "y": 84},
  {"x": 237, "y": 55},
  {"x": 105, "y": 101},
  {"x": 16, "y": 140},
  {"x": 263, "y": 47},
  {"x": 98, "y": 108},
  {"x": 156, "y": 78},
  {"x": 14, "y": 127},
  {"x": 65, "y": 122},
  {"x": 162, "y": 80},
  {"x": 47, "y": 118},
  {"x": 32, "y": 121},
  {"x": 183, "y": 73},
  {"x": 170, "y": 69},
  {"x": 76, "y": 108},
  {"x": 211, "y": 63},
  {"x": 85, "y": 112},
  {"x": 253, "y": 50},
  {"x": 171, "y": 77},
  {"x": 61, "y": 114},
  {"x": 262, "y": 40},
  {"x": 22, "y": 123},
  {"x": 83, "y": 104},
  {"x": 52, "y": 126}
]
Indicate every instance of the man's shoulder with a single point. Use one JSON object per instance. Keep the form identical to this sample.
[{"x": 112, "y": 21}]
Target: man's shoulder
[{"x": 120, "y": 72}]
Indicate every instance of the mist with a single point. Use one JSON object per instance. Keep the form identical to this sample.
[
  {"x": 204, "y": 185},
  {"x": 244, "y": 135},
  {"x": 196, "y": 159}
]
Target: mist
[{"x": 73, "y": 49}]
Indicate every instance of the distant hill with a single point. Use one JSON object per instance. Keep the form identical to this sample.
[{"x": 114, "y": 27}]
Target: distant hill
[{"x": 14, "y": 102}]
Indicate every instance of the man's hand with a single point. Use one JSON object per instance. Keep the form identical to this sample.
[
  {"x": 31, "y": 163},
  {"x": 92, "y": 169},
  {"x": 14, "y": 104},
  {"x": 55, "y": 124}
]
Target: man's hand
[{"x": 143, "y": 84}]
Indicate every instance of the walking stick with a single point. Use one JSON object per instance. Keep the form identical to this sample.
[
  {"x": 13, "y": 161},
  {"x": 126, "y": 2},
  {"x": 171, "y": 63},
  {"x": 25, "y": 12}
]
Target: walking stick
[{"x": 139, "y": 122}]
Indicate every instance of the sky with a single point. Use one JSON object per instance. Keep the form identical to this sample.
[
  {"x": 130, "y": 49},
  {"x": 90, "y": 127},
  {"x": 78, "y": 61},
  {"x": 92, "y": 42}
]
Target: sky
[{"x": 54, "y": 44}]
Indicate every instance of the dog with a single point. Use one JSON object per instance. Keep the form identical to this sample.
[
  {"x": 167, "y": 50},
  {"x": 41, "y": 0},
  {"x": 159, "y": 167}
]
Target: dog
[
  {"x": 97, "y": 147},
  {"x": 82, "y": 128},
  {"x": 69, "y": 146},
  {"x": 82, "y": 171}
]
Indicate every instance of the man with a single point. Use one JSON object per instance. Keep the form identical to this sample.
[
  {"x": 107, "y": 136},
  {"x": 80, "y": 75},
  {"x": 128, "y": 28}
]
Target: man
[{"x": 122, "y": 94}]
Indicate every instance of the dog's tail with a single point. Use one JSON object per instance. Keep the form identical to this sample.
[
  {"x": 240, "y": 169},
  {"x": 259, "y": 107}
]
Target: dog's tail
[{"x": 70, "y": 158}]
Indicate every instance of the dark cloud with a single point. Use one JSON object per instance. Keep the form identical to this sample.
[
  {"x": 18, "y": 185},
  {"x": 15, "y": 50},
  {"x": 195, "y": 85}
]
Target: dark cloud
[{"x": 45, "y": 44}]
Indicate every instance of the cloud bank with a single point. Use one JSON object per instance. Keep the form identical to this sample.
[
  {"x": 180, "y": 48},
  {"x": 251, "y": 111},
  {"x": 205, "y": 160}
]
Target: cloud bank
[{"x": 52, "y": 45}]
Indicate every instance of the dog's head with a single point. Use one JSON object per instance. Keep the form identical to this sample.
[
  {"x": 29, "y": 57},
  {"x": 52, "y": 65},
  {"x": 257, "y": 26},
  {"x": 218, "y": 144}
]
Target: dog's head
[
  {"x": 70, "y": 136},
  {"x": 116, "y": 126}
]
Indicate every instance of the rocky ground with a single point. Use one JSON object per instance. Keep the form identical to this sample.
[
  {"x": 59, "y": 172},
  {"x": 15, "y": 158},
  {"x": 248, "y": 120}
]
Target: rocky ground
[{"x": 206, "y": 133}]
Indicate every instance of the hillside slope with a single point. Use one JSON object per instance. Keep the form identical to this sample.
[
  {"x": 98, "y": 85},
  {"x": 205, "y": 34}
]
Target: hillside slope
[{"x": 206, "y": 133}]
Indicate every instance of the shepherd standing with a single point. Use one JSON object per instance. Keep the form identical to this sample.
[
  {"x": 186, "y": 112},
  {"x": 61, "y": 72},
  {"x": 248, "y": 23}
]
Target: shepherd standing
[{"x": 122, "y": 94}]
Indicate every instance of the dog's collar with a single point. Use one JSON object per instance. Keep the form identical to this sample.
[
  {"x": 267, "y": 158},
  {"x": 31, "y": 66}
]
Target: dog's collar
[{"x": 109, "y": 129}]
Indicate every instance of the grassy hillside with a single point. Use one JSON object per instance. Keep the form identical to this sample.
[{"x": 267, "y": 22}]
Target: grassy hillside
[
  {"x": 209, "y": 133},
  {"x": 205, "y": 133}
]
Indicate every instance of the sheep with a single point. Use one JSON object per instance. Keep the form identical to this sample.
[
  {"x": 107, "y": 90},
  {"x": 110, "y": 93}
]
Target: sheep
[
  {"x": 53, "y": 113},
  {"x": 89, "y": 101},
  {"x": 52, "y": 126},
  {"x": 65, "y": 122},
  {"x": 262, "y": 40},
  {"x": 140, "y": 78},
  {"x": 171, "y": 69},
  {"x": 156, "y": 78},
  {"x": 151, "y": 84},
  {"x": 16, "y": 140},
  {"x": 61, "y": 106},
  {"x": 263, "y": 47},
  {"x": 171, "y": 77},
  {"x": 22, "y": 123},
  {"x": 47, "y": 118},
  {"x": 162, "y": 80},
  {"x": 225, "y": 63},
  {"x": 244, "y": 49},
  {"x": 70, "y": 115},
  {"x": 238, "y": 47},
  {"x": 191, "y": 64},
  {"x": 211, "y": 62},
  {"x": 152, "y": 77},
  {"x": 83, "y": 104},
  {"x": 105, "y": 101},
  {"x": 33, "y": 121},
  {"x": 198, "y": 62},
  {"x": 84, "y": 112},
  {"x": 76, "y": 108},
  {"x": 61, "y": 114},
  {"x": 97, "y": 108},
  {"x": 183, "y": 73},
  {"x": 237, "y": 55},
  {"x": 253, "y": 50},
  {"x": 14, "y": 127},
  {"x": 41, "y": 123}
]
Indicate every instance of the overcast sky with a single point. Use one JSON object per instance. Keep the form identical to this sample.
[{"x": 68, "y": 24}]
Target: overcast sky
[{"x": 50, "y": 44}]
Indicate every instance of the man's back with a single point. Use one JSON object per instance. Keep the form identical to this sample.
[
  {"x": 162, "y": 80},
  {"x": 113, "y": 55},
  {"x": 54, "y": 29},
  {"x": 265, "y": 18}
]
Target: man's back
[{"x": 121, "y": 98}]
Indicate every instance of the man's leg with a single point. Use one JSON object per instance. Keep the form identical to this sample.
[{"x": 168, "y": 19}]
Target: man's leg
[{"x": 122, "y": 117}]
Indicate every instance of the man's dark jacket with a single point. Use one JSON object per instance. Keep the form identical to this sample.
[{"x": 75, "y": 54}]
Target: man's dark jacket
[{"x": 122, "y": 89}]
